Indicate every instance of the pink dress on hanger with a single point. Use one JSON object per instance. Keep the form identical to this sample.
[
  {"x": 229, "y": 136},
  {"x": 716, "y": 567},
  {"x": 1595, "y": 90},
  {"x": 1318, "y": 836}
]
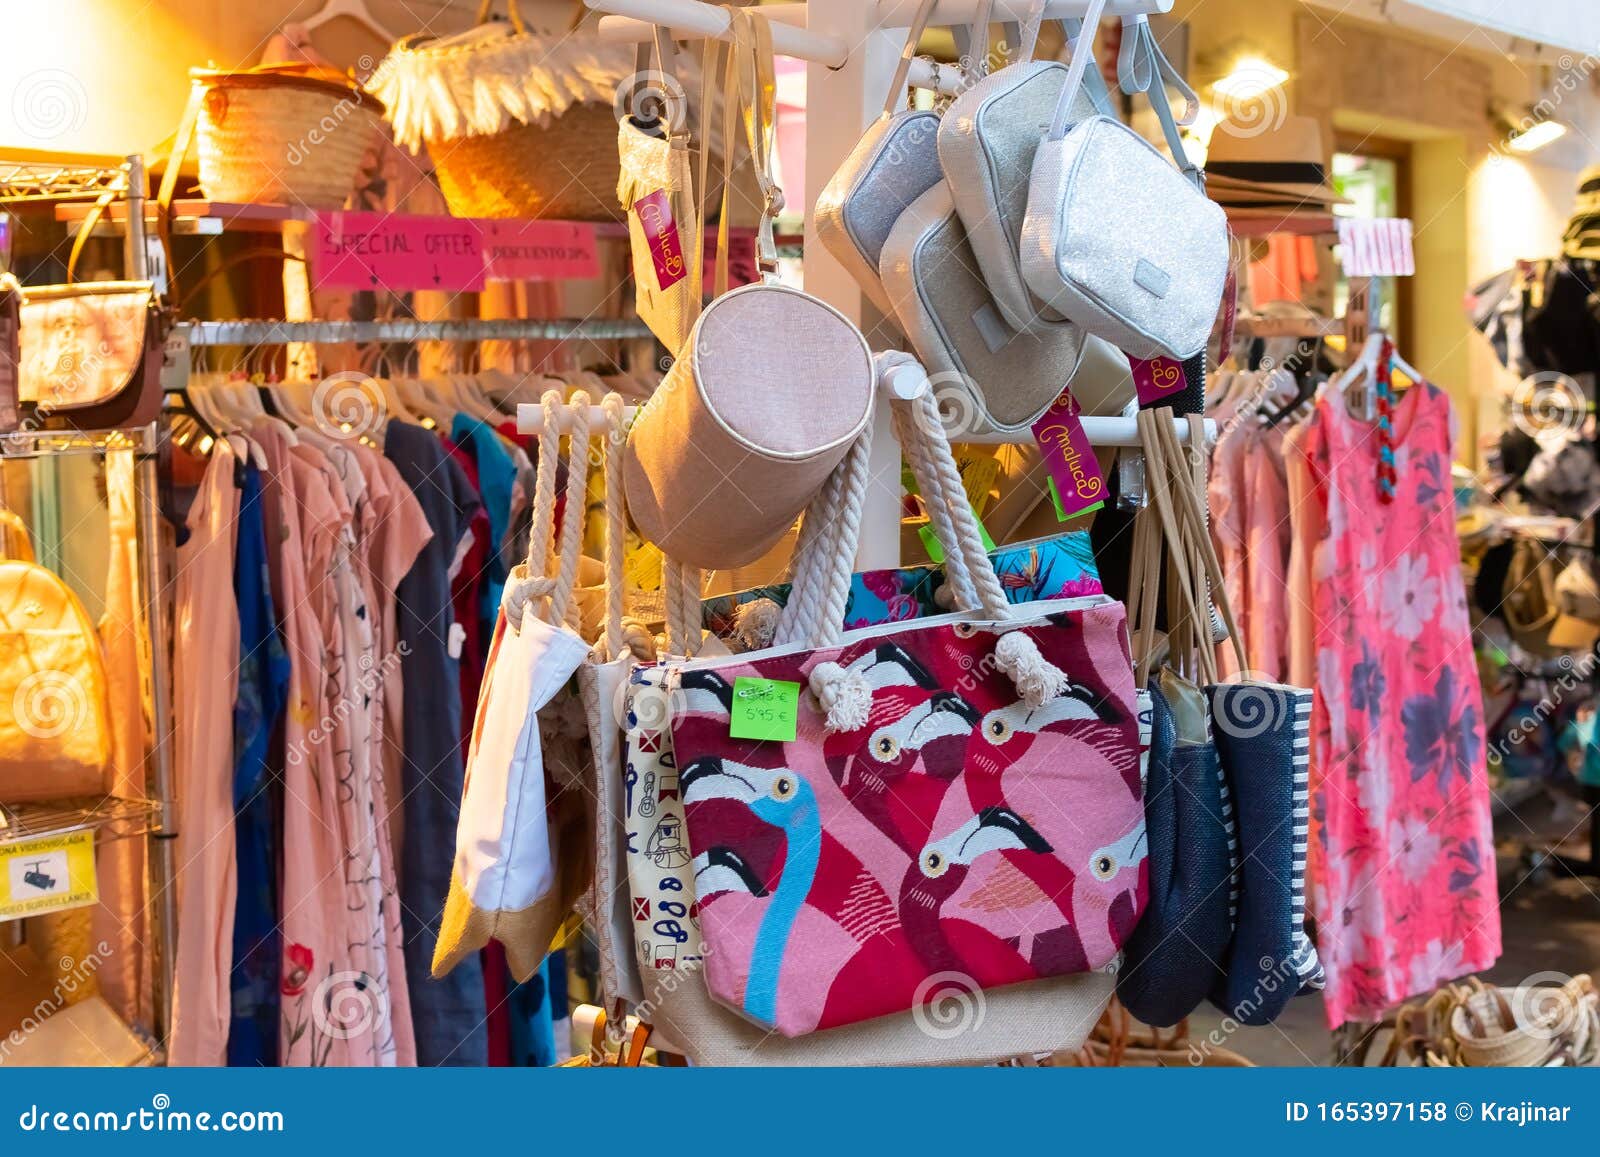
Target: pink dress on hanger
[
  {"x": 205, "y": 683},
  {"x": 301, "y": 518},
  {"x": 1402, "y": 855}
]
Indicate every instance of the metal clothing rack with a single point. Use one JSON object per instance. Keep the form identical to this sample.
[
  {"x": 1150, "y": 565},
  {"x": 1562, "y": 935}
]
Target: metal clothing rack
[
  {"x": 47, "y": 178},
  {"x": 252, "y": 332}
]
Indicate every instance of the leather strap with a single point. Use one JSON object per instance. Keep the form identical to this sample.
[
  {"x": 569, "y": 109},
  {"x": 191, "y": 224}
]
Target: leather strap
[
  {"x": 1143, "y": 67},
  {"x": 86, "y": 230},
  {"x": 902, "y": 72},
  {"x": 486, "y": 8},
  {"x": 14, "y": 534},
  {"x": 1082, "y": 59},
  {"x": 169, "y": 181}
]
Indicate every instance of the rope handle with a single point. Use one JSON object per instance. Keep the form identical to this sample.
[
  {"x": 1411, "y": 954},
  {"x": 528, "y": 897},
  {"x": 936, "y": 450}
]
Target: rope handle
[{"x": 550, "y": 572}]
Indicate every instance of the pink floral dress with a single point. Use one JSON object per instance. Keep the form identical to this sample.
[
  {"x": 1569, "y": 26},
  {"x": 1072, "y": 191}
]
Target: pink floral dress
[{"x": 1402, "y": 859}]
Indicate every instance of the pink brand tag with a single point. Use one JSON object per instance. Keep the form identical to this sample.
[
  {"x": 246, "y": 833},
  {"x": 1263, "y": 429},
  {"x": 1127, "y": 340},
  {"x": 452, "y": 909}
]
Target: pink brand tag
[
  {"x": 1230, "y": 310},
  {"x": 661, "y": 231},
  {"x": 1157, "y": 379},
  {"x": 1069, "y": 458}
]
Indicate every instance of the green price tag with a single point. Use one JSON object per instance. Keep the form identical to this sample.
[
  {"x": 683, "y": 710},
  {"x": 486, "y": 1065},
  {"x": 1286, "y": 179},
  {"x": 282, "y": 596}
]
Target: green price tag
[
  {"x": 930, "y": 540},
  {"x": 764, "y": 708},
  {"x": 1061, "y": 514}
]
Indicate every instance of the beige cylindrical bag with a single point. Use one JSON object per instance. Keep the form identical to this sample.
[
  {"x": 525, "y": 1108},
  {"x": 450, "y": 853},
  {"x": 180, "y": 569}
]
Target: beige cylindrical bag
[{"x": 768, "y": 392}]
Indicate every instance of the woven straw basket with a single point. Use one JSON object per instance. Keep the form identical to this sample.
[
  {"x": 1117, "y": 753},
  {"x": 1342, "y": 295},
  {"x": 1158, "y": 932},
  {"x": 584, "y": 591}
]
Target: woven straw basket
[
  {"x": 283, "y": 134},
  {"x": 518, "y": 124},
  {"x": 1476, "y": 1025}
]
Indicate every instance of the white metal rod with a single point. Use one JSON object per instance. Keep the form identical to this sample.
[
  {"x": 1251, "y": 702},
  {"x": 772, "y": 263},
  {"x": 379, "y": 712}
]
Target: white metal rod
[
  {"x": 530, "y": 418},
  {"x": 1101, "y": 431},
  {"x": 631, "y": 21},
  {"x": 937, "y": 77},
  {"x": 901, "y": 13}
]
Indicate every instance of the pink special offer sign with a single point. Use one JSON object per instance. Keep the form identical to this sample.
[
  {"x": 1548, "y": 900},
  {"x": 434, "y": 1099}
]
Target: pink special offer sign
[
  {"x": 520, "y": 250},
  {"x": 395, "y": 251}
]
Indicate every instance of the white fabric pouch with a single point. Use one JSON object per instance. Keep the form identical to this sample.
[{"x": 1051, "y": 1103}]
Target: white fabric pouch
[{"x": 1115, "y": 237}]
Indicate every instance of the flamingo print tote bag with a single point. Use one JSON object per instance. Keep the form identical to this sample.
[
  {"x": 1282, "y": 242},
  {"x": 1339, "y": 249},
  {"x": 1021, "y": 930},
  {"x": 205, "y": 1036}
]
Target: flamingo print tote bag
[{"x": 960, "y": 799}]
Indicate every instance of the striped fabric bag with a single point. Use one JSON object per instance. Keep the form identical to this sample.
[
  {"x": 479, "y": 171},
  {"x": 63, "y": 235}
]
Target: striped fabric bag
[{"x": 1262, "y": 734}]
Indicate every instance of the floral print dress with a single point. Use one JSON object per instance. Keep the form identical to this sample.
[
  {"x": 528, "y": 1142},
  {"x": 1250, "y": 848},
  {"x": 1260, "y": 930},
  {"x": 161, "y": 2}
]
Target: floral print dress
[{"x": 1402, "y": 860}]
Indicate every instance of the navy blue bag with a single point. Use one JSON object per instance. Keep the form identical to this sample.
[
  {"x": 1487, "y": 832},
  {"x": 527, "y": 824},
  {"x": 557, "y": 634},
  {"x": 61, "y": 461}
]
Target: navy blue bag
[{"x": 1175, "y": 955}]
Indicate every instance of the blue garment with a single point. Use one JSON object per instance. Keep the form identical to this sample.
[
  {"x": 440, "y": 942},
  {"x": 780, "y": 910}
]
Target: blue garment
[
  {"x": 533, "y": 1038},
  {"x": 497, "y": 477},
  {"x": 257, "y": 789},
  {"x": 449, "y": 1015}
]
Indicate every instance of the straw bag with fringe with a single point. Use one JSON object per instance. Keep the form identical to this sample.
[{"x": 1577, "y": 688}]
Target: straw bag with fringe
[
  {"x": 1119, "y": 1041},
  {"x": 518, "y": 123}
]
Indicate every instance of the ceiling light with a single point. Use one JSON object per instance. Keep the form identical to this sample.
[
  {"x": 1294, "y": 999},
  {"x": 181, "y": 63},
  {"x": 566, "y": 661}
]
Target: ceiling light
[
  {"x": 1251, "y": 77},
  {"x": 1537, "y": 136}
]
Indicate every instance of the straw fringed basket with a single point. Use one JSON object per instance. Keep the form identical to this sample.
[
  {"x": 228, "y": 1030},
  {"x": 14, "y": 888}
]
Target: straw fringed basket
[
  {"x": 564, "y": 170},
  {"x": 518, "y": 124},
  {"x": 283, "y": 134}
]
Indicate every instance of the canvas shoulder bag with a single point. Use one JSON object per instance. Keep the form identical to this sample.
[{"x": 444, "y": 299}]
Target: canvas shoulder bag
[
  {"x": 524, "y": 837},
  {"x": 1115, "y": 237},
  {"x": 961, "y": 794},
  {"x": 1029, "y": 1017}
]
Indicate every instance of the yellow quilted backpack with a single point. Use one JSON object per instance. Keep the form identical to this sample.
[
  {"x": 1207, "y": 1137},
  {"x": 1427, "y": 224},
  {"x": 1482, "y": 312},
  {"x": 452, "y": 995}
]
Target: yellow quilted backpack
[{"x": 55, "y": 734}]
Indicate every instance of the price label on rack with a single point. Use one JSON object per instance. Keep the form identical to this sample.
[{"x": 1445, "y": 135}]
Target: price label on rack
[
  {"x": 1379, "y": 247},
  {"x": 48, "y": 874},
  {"x": 764, "y": 709}
]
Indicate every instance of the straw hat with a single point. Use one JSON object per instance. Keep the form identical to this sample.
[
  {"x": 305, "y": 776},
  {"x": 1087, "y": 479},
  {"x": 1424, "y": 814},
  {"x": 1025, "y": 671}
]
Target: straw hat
[{"x": 1278, "y": 169}]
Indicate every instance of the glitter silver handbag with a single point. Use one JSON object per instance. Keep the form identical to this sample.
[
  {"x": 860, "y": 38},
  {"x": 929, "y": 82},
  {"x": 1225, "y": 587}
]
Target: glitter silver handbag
[
  {"x": 1115, "y": 237},
  {"x": 895, "y": 162},
  {"x": 987, "y": 376},
  {"x": 987, "y": 143}
]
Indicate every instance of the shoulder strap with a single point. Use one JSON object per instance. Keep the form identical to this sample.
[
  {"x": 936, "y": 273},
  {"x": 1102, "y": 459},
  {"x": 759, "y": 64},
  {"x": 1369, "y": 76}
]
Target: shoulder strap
[
  {"x": 902, "y": 72},
  {"x": 14, "y": 534},
  {"x": 1082, "y": 59},
  {"x": 1143, "y": 67}
]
